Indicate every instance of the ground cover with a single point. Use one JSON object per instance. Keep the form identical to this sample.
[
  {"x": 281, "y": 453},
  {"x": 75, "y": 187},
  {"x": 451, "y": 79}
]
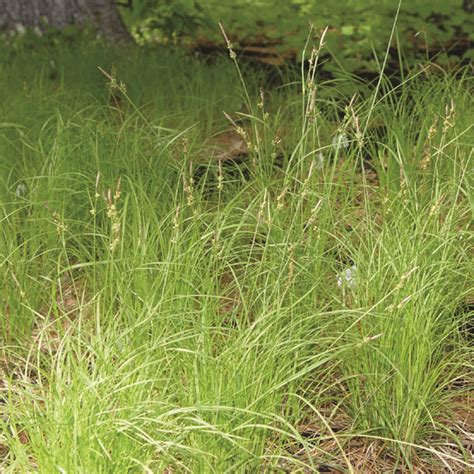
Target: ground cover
[{"x": 203, "y": 271}]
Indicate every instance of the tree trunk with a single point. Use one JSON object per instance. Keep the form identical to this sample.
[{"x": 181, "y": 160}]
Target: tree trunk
[{"x": 101, "y": 14}]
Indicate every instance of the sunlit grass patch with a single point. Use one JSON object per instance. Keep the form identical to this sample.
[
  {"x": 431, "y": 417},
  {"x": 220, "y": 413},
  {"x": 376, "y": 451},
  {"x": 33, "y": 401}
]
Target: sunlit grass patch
[{"x": 299, "y": 304}]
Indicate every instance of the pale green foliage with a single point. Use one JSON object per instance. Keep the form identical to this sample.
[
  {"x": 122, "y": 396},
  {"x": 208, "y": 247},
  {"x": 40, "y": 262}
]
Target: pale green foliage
[{"x": 159, "y": 316}]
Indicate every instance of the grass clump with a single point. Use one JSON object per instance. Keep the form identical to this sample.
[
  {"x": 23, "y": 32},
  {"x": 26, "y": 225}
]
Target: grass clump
[{"x": 171, "y": 305}]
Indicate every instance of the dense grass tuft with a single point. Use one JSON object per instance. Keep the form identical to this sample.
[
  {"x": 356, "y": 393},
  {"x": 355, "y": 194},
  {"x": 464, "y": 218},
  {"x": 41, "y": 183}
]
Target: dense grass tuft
[{"x": 169, "y": 304}]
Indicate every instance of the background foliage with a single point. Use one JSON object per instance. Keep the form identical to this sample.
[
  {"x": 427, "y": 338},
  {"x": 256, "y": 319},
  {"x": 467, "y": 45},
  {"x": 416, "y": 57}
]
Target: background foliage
[{"x": 359, "y": 30}]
